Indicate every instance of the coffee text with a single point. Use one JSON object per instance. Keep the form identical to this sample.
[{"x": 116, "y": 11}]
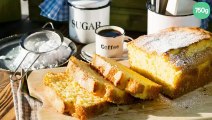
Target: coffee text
[{"x": 109, "y": 47}]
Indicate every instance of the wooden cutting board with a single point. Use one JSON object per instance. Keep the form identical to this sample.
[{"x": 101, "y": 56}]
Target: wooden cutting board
[{"x": 194, "y": 105}]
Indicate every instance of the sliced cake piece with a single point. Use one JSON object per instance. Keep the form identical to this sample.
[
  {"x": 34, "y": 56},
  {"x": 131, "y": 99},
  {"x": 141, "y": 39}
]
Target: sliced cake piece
[
  {"x": 92, "y": 81},
  {"x": 178, "y": 58},
  {"x": 67, "y": 96},
  {"x": 125, "y": 78}
]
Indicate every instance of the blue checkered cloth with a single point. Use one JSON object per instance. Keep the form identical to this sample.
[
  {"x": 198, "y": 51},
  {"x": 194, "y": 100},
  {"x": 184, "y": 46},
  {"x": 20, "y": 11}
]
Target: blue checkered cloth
[{"x": 55, "y": 9}]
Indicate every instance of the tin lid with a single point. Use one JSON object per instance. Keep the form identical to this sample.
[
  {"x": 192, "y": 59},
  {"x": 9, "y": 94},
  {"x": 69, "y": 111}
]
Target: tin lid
[{"x": 88, "y": 4}]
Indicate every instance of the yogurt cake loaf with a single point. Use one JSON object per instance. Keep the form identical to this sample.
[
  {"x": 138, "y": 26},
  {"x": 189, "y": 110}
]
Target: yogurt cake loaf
[
  {"x": 67, "y": 96},
  {"x": 178, "y": 58},
  {"x": 125, "y": 78},
  {"x": 93, "y": 82}
]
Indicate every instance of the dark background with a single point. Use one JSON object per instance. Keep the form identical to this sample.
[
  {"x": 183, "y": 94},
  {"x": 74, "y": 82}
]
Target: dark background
[{"x": 129, "y": 14}]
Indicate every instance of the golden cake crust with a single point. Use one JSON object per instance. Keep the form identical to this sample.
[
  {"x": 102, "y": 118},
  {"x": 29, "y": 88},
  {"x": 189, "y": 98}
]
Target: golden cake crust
[
  {"x": 126, "y": 79},
  {"x": 56, "y": 83},
  {"x": 170, "y": 39},
  {"x": 92, "y": 81},
  {"x": 179, "y": 68}
]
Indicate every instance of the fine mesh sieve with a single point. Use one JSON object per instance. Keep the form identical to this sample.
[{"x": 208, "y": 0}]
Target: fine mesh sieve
[{"x": 39, "y": 42}]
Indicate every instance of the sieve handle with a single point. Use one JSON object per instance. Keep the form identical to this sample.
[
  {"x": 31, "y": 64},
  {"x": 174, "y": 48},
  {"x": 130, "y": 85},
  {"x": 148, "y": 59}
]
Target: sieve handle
[
  {"x": 13, "y": 78},
  {"x": 48, "y": 23}
]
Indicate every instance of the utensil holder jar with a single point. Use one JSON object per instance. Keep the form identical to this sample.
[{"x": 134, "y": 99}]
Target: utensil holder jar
[{"x": 157, "y": 22}]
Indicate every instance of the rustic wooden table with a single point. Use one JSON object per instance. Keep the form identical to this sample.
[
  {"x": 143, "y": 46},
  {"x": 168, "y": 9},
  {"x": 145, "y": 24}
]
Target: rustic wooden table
[{"x": 7, "y": 111}]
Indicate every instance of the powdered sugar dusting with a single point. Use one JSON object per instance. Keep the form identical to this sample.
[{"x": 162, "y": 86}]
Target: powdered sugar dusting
[
  {"x": 163, "y": 42},
  {"x": 42, "y": 41}
]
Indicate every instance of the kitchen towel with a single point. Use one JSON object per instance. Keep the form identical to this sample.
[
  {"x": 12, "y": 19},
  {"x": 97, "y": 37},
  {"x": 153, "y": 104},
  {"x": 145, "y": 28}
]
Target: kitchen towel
[
  {"x": 25, "y": 106},
  {"x": 56, "y": 10}
]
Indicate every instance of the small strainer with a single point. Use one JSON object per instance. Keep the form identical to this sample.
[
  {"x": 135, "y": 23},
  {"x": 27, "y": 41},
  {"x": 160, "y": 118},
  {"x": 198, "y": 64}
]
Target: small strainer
[{"x": 39, "y": 42}]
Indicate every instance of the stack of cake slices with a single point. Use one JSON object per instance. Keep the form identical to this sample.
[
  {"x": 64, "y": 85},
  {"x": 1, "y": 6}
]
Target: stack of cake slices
[{"x": 84, "y": 90}]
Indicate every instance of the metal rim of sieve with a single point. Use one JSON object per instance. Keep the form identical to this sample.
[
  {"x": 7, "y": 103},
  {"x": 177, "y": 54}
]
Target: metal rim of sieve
[
  {"x": 22, "y": 41},
  {"x": 42, "y": 30}
]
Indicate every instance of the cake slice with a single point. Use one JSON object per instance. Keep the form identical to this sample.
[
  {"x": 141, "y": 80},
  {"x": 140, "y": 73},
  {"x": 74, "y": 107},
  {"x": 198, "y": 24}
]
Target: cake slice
[
  {"x": 125, "y": 78},
  {"x": 178, "y": 58},
  {"x": 93, "y": 82},
  {"x": 67, "y": 96}
]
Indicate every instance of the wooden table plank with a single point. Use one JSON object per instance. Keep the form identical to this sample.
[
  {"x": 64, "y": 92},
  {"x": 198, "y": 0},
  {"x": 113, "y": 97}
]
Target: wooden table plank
[
  {"x": 7, "y": 111},
  {"x": 10, "y": 115}
]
